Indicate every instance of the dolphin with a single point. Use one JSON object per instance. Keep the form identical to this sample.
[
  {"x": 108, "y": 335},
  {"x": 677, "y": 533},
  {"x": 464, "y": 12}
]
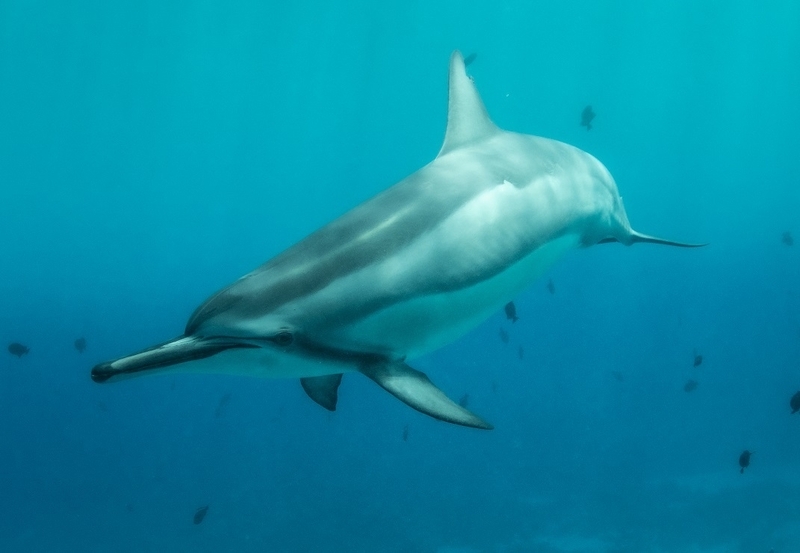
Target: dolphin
[{"x": 409, "y": 270}]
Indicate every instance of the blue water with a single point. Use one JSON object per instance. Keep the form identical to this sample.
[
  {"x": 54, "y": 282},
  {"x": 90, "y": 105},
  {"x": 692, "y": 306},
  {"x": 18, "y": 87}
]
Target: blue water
[{"x": 153, "y": 152}]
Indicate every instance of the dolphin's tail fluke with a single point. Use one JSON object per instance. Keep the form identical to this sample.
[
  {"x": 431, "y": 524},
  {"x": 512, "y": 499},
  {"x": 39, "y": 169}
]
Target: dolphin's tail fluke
[
  {"x": 636, "y": 237},
  {"x": 179, "y": 350},
  {"x": 639, "y": 237}
]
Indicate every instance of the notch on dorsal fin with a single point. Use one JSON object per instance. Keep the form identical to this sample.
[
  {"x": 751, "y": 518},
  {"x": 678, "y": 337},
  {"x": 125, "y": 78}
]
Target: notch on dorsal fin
[{"x": 467, "y": 119}]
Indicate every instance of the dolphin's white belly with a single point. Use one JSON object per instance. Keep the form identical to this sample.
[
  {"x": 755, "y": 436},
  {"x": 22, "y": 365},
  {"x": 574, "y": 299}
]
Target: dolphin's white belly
[
  {"x": 410, "y": 328},
  {"x": 425, "y": 323},
  {"x": 450, "y": 278},
  {"x": 262, "y": 363}
]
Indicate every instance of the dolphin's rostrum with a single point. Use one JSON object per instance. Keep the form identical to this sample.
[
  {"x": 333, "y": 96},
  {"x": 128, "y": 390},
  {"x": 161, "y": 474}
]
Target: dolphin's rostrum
[{"x": 409, "y": 270}]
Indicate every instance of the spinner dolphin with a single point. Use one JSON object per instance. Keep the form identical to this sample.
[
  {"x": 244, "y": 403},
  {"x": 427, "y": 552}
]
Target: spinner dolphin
[{"x": 407, "y": 271}]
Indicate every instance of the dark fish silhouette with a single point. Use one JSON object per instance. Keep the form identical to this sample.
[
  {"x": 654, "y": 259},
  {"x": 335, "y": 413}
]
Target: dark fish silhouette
[
  {"x": 795, "y": 403},
  {"x": 494, "y": 386},
  {"x": 586, "y": 118},
  {"x": 551, "y": 287},
  {"x": 503, "y": 336},
  {"x": 200, "y": 514},
  {"x": 744, "y": 460},
  {"x": 787, "y": 239},
  {"x": 464, "y": 401},
  {"x": 80, "y": 345},
  {"x": 17, "y": 349},
  {"x": 471, "y": 58},
  {"x": 617, "y": 375},
  {"x": 690, "y": 386},
  {"x": 223, "y": 401},
  {"x": 511, "y": 312},
  {"x": 521, "y": 353},
  {"x": 405, "y": 433},
  {"x": 698, "y": 360}
]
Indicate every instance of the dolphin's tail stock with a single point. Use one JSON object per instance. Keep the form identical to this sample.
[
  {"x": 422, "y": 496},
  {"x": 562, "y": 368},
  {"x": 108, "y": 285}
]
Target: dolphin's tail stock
[{"x": 179, "y": 350}]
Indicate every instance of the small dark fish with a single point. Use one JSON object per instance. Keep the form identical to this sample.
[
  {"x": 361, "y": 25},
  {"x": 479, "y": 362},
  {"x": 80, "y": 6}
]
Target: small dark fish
[
  {"x": 617, "y": 375},
  {"x": 690, "y": 386},
  {"x": 200, "y": 514},
  {"x": 586, "y": 118},
  {"x": 521, "y": 353},
  {"x": 470, "y": 58},
  {"x": 503, "y": 336},
  {"x": 223, "y": 401},
  {"x": 405, "y": 433},
  {"x": 698, "y": 360},
  {"x": 551, "y": 287},
  {"x": 787, "y": 239},
  {"x": 17, "y": 349},
  {"x": 511, "y": 312},
  {"x": 494, "y": 386},
  {"x": 464, "y": 401},
  {"x": 80, "y": 345},
  {"x": 744, "y": 460},
  {"x": 795, "y": 403}
]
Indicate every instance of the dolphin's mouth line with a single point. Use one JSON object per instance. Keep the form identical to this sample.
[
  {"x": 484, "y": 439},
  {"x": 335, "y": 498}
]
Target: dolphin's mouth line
[{"x": 192, "y": 348}]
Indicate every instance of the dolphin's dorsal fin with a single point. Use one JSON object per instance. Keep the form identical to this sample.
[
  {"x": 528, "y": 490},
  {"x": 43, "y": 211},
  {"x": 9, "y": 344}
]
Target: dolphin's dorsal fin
[{"x": 467, "y": 119}]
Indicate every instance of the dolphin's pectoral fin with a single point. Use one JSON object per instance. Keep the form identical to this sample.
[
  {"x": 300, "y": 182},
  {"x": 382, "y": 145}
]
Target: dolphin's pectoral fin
[
  {"x": 415, "y": 389},
  {"x": 323, "y": 389}
]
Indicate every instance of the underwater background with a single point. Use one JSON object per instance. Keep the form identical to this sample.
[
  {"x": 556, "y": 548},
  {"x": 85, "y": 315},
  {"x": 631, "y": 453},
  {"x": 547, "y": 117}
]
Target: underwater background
[{"x": 153, "y": 152}]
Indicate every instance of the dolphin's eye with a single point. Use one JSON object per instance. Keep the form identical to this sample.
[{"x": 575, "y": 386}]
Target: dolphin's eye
[{"x": 283, "y": 338}]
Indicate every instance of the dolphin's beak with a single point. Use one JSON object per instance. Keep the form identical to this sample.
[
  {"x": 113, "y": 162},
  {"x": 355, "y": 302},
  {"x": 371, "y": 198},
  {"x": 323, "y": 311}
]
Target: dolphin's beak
[
  {"x": 179, "y": 350},
  {"x": 102, "y": 372}
]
